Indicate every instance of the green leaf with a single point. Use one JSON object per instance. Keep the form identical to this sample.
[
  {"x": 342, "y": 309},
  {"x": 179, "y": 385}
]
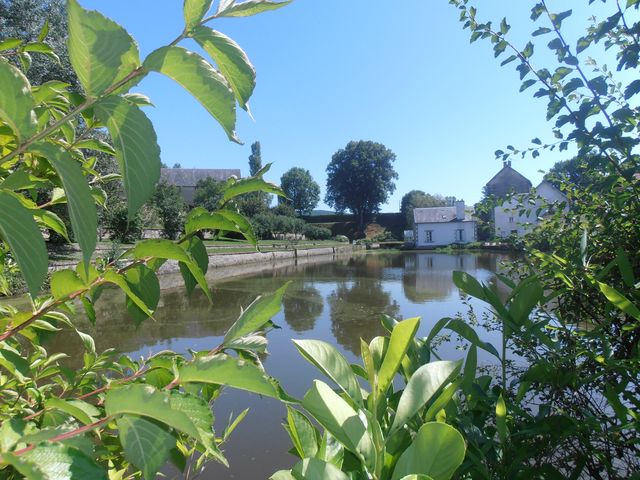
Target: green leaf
[
  {"x": 423, "y": 384},
  {"x": 341, "y": 420},
  {"x": 65, "y": 282},
  {"x": 82, "y": 208},
  {"x": 95, "y": 144},
  {"x": 101, "y": 51},
  {"x": 16, "y": 101},
  {"x": 466, "y": 331},
  {"x": 9, "y": 43},
  {"x": 51, "y": 221},
  {"x": 68, "y": 408},
  {"x": 169, "y": 250},
  {"x": 437, "y": 451},
  {"x": 304, "y": 435},
  {"x": 200, "y": 79},
  {"x": 315, "y": 469},
  {"x": 231, "y": 60},
  {"x": 251, "y": 7},
  {"x": 146, "y": 445},
  {"x": 146, "y": 401},
  {"x": 111, "y": 276},
  {"x": 619, "y": 300},
  {"x": 240, "y": 225},
  {"x": 198, "y": 252},
  {"x": 230, "y": 371},
  {"x": 333, "y": 364},
  {"x": 60, "y": 462},
  {"x": 20, "y": 231},
  {"x": 469, "y": 285},
  {"x": 261, "y": 310},
  {"x": 248, "y": 185},
  {"x": 144, "y": 283},
  {"x": 282, "y": 475},
  {"x": 401, "y": 338},
  {"x": 194, "y": 11},
  {"x": 137, "y": 151}
]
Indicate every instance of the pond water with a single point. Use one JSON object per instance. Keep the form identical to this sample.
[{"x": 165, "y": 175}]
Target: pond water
[{"x": 335, "y": 300}]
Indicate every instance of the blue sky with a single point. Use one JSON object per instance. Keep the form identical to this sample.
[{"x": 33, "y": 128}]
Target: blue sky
[{"x": 401, "y": 73}]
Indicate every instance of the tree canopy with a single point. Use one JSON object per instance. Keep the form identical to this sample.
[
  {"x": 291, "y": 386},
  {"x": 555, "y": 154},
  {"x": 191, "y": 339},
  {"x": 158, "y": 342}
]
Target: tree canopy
[
  {"x": 255, "y": 203},
  {"x": 208, "y": 193},
  {"x": 255, "y": 159},
  {"x": 303, "y": 192},
  {"x": 419, "y": 199},
  {"x": 360, "y": 178}
]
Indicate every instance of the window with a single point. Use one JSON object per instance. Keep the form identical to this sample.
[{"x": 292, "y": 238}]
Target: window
[
  {"x": 510, "y": 219},
  {"x": 514, "y": 232},
  {"x": 460, "y": 235},
  {"x": 428, "y": 236}
]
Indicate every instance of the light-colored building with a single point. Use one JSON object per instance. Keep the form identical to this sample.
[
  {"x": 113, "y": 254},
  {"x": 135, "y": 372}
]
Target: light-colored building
[
  {"x": 441, "y": 226},
  {"x": 520, "y": 214},
  {"x": 187, "y": 178}
]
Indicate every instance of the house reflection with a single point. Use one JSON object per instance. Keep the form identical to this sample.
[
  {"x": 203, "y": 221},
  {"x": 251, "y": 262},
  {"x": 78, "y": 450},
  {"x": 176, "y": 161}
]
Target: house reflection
[{"x": 427, "y": 276}]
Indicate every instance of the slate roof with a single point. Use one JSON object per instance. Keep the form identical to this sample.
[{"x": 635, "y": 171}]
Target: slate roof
[
  {"x": 438, "y": 215},
  {"x": 189, "y": 177},
  {"x": 506, "y": 181}
]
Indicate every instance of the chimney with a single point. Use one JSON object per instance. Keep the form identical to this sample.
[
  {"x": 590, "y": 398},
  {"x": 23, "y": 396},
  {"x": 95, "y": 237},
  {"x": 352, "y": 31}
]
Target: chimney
[{"x": 460, "y": 209}]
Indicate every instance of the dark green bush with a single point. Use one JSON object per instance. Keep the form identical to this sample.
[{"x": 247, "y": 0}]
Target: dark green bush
[
  {"x": 313, "y": 232},
  {"x": 120, "y": 228}
]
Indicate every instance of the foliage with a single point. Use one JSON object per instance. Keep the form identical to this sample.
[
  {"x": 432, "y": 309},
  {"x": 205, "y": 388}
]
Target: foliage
[
  {"x": 483, "y": 211},
  {"x": 255, "y": 159},
  {"x": 380, "y": 432},
  {"x": 284, "y": 209},
  {"x": 120, "y": 227},
  {"x": 418, "y": 199},
  {"x": 301, "y": 190},
  {"x": 269, "y": 226},
  {"x": 341, "y": 238},
  {"x": 114, "y": 417},
  {"x": 170, "y": 208},
  {"x": 360, "y": 179},
  {"x": 581, "y": 348},
  {"x": 208, "y": 193},
  {"x": 314, "y": 232}
]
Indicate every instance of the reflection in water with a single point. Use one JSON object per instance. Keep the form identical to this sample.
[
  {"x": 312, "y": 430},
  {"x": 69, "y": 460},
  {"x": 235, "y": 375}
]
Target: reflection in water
[
  {"x": 356, "y": 309},
  {"x": 339, "y": 301},
  {"x": 427, "y": 276},
  {"x": 302, "y": 305}
]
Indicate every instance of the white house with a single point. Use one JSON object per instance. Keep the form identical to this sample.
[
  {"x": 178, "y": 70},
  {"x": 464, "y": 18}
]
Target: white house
[
  {"x": 520, "y": 214},
  {"x": 441, "y": 226}
]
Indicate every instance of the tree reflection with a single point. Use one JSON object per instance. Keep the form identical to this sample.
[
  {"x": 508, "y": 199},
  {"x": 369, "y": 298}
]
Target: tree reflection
[
  {"x": 302, "y": 306},
  {"x": 356, "y": 308}
]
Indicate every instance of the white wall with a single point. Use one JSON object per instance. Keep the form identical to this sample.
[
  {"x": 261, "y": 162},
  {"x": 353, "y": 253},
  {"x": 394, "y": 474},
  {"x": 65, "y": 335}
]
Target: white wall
[{"x": 443, "y": 234}]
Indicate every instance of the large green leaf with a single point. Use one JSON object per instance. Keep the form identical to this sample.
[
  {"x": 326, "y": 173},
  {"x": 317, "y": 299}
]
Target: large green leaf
[
  {"x": 333, "y": 364},
  {"x": 232, "y": 62},
  {"x": 304, "y": 435},
  {"x": 315, "y": 469},
  {"x": 401, "y": 337},
  {"x": 251, "y": 7},
  {"x": 261, "y": 310},
  {"x": 341, "y": 420},
  {"x": 241, "y": 224},
  {"x": 137, "y": 150},
  {"x": 466, "y": 331},
  {"x": 423, "y": 384},
  {"x": 247, "y": 185},
  {"x": 194, "y": 11},
  {"x": 82, "y": 208},
  {"x": 60, "y": 462},
  {"x": 146, "y": 286},
  {"x": 16, "y": 101},
  {"x": 20, "y": 231},
  {"x": 101, "y": 51},
  {"x": 169, "y": 250},
  {"x": 200, "y": 79},
  {"x": 200, "y": 414},
  {"x": 619, "y": 300},
  {"x": 145, "y": 400},
  {"x": 146, "y": 445},
  {"x": 437, "y": 450},
  {"x": 111, "y": 276},
  {"x": 230, "y": 371},
  {"x": 469, "y": 285}
]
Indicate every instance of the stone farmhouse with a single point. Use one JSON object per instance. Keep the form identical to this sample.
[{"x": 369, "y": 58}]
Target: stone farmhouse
[{"x": 187, "y": 178}]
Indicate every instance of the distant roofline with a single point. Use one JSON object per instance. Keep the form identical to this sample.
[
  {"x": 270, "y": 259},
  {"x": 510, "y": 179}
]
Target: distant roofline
[{"x": 505, "y": 167}]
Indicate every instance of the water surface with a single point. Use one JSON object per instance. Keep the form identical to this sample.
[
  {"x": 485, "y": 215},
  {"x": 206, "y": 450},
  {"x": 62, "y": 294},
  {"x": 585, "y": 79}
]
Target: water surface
[{"x": 339, "y": 301}]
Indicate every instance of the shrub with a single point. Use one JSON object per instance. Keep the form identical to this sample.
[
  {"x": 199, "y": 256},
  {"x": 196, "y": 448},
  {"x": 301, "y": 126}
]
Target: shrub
[
  {"x": 120, "y": 228},
  {"x": 313, "y": 232},
  {"x": 341, "y": 238}
]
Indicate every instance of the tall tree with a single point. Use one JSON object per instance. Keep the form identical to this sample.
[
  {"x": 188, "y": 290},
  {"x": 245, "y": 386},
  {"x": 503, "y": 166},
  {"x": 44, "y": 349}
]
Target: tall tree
[
  {"x": 419, "y": 199},
  {"x": 208, "y": 193},
  {"x": 303, "y": 192},
  {"x": 254, "y": 203},
  {"x": 255, "y": 159},
  {"x": 24, "y": 19},
  {"x": 360, "y": 178}
]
